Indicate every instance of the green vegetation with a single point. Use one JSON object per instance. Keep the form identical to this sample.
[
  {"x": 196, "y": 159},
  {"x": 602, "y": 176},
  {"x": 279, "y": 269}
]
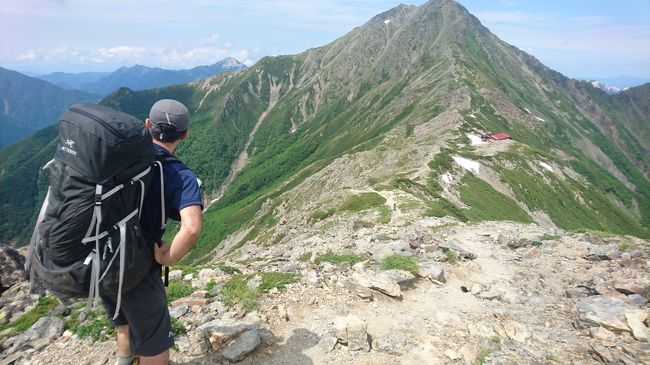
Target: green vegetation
[
  {"x": 30, "y": 317},
  {"x": 305, "y": 257},
  {"x": 452, "y": 256},
  {"x": 236, "y": 290},
  {"x": 400, "y": 262},
  {"x": 358, "y": 203},
  {"x": 228, "y": 269},
  {"x": 95, "y": 325},
  {"x": 488, "y": 204},
  {"x": 178, "y": 289},
  {"x": 334, "y": 259},
  {"x": 549, "y": 237}
]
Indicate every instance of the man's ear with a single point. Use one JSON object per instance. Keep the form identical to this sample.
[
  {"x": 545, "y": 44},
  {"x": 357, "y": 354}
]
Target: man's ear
[{"x": 147, "y": 123}]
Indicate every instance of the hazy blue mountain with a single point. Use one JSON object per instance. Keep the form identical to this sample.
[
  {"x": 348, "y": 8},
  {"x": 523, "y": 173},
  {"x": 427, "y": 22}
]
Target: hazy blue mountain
[
  {"x": 141, "y": 77},
  {"x": 30, "y": 104},
  {"x": 72, "y": 81}
]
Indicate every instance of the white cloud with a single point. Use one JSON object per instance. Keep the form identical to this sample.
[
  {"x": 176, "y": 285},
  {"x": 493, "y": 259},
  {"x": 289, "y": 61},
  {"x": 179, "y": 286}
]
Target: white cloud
[{"x": 206, "y": 51}]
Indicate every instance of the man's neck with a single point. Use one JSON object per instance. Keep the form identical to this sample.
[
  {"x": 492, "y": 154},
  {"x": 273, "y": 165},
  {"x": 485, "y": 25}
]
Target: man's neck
[{"x": 169, "y": 146}]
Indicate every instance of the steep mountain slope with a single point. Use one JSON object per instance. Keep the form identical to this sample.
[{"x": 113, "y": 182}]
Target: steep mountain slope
[
  {"x": 29, "y": 104},
  {"x": 335, "y": 139},
  {"x": 140, "y": 77}
]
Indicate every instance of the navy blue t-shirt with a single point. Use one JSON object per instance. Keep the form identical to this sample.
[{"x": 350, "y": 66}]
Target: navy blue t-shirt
[{"x": 181, "y": 191}]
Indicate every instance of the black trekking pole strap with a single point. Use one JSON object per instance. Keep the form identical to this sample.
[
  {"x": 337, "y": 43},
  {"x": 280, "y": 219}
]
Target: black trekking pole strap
[{"x": 166, "y": 276}]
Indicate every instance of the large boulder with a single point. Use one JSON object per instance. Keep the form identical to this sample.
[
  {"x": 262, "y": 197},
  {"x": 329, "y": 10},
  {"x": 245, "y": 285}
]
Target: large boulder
[
  {"x": 39, "y": 335},
  {"x": 378, "y": 281},
  {"x": 603, "y": 311},
  {"x": 232, "y": 340}
]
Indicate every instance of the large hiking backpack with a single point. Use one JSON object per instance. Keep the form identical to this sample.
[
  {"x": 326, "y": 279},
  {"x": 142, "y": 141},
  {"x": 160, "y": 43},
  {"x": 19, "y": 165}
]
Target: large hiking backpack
[{"x": 88, "y": 240}]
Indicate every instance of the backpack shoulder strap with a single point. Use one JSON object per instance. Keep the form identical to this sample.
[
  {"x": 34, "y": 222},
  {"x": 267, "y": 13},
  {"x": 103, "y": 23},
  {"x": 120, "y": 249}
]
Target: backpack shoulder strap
[{"x": 166, "y": 157}]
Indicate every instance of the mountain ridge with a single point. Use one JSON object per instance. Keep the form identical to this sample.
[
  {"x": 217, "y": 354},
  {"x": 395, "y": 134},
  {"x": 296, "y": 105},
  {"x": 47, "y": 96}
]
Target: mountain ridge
[{"x": 411, "y": 89}]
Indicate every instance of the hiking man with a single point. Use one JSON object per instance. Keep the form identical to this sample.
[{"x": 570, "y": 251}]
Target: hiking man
[{"x": 143, "y": 325}]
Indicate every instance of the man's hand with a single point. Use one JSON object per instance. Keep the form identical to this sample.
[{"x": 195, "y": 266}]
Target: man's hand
[{"x": 162, "y": 254}]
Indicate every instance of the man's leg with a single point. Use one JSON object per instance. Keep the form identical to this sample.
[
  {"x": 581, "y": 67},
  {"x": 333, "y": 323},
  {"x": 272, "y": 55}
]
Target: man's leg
[
  {"x": 123, "y": 348},
  {"x": 160, "y": 359}
]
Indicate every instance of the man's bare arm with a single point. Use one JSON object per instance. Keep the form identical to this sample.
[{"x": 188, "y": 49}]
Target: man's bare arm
[{"x": 191, "y": 222}]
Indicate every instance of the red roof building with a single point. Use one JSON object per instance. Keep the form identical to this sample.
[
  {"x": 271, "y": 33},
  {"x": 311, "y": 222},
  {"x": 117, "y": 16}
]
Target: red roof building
[{"x": 501, "y": 136}]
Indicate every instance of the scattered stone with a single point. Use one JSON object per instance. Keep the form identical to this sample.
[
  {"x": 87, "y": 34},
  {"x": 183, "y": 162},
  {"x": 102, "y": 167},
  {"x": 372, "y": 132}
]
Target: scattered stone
[
  {"x": 392, "y": 343},
  {"x": 381, "y": 282},
  {"x": 179, "y": 311},
  {"x": 357, "y": 334},
  {"x": 603, "y": 311},
  {"x": 603, "y": 334},
  {"x": 513, "y": 330},
  {"x": 635, "y": 320},
  {"x": 400, "y": 276},
  {"x": 430, "y": 248},
  {"x": 328, "y": 342},
  {"x": 432, "y": 271},
  {"x": 232, "y": 340},
  {"x": 639, "y": 351},
  {"x": 189, "y": 301},
  {"x": 364, "y": 293},
  {"x": 581, "y": 291},
  {"x": 476, "y": 289},
  {"x": 451, "y": 354},
  {"x": 45, "y": 330},
  {"x": 603, "y": 252},
  {"x": 188, "y": 277},
  {"x": 456, "y": 246},
  {"x": 254, "y": 282},
  {"x": 216, "y": 289},
  {"x": 175, "y": 275},
  {"x": 448, "y": 319},
  {"x": 492, "y": 294}
]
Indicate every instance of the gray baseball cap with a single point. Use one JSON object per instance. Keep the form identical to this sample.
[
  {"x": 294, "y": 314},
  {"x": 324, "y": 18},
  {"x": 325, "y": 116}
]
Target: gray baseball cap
[{"x": 170, "y": 112}]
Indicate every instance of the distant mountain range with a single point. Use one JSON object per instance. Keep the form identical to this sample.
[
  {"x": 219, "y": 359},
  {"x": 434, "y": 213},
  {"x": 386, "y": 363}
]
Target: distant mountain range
[
  {"x": 138, "y": 77},
  {"x": 30, "y": 104}
]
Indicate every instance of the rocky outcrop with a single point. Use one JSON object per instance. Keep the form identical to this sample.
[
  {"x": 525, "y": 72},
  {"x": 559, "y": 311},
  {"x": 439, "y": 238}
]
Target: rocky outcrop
[{"x": 12, "y": 265}]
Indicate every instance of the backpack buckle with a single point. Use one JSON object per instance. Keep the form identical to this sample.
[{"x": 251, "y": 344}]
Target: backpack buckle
[{"x": 98, "y": 199}]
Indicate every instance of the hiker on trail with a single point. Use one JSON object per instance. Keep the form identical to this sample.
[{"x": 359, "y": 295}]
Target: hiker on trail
[{"x": 143, "y": 325}]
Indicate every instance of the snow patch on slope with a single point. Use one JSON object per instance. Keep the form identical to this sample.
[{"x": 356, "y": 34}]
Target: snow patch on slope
[
  {"x": 467, "y": 164},
  {"x": 546, "y": 166}
]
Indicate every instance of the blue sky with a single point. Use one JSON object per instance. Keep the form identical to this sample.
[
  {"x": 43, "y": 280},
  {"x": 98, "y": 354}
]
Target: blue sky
[{"x": 580, "y": 38}]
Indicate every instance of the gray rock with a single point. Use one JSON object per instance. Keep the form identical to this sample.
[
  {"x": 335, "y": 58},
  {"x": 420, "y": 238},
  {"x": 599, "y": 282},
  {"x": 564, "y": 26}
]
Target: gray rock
[
  {"x": 254, "y": 282},
  {"x": 378, "y": 281},
  {"x": 357, "y": 334},
  {"x": 603, "y": 311},
  {"x": 400, "y": 276},
  {"x": 603, "y": 252},
  {"x": 392, "y": 343},
  {"x": 639, "y": 351},
  {"x": 216, "y": 289},
  {"x": 328, "y": 342},
  {"x": 46, "y": 329},
  {"x": 179, "y": 311},
  {"x": 635, "y": 320},
  {"x": 457, "y": 246},
  {"x": 433, "y": 271},
  {"x": 232, "y": 340},
  {"x": 175, "y": 275}
]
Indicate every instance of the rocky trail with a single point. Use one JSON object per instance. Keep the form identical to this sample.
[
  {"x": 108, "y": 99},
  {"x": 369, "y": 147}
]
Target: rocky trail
[{"x": 489, "y": 293}]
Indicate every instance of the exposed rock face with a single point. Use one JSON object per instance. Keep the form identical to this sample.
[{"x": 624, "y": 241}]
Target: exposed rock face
[
  {"x": 12, "y": 265},
  {"x": 604, "y": 311},
  {"x": 232, "y": 340},
  {"x": 378, "y": 281},
  {"x": 44, "y": 331}
]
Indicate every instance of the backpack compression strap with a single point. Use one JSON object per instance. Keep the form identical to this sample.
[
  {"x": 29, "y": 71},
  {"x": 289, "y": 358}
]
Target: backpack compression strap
[{"x": 94, "y": 257}]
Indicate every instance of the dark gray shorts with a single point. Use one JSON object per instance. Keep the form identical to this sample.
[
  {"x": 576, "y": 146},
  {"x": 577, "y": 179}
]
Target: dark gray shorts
[{"x": 144, "y": 309}]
